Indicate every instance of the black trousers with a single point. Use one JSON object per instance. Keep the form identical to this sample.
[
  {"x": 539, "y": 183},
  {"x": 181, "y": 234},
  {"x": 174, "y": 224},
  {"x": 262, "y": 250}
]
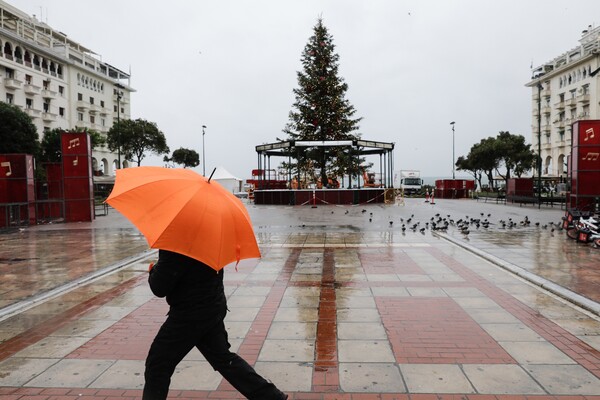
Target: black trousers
[{"x": 174, "y": 341}]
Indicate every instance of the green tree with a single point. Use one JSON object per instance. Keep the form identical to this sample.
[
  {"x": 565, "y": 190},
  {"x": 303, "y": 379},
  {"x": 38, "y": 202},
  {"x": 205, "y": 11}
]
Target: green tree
[
  {"x": 18, "y": 134},
  {"x": 50, "y": 145},
  {"x": 466, "y": 164},
  {"x": 514, "y": 154},
  {"x": 321, "y": 111},
  {"x": 185, "y": 157},
  {"x": 134, "y": 138},
  {"x": 484, "y": 156}
]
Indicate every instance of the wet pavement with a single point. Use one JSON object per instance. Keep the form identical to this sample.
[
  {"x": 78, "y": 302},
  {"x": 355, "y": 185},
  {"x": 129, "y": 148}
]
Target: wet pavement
[{"x": 343, "y": 304}]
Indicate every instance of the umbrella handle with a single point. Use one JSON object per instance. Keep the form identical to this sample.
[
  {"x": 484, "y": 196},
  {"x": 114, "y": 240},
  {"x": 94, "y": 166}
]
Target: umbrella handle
[{"x": 211, "y": 174}]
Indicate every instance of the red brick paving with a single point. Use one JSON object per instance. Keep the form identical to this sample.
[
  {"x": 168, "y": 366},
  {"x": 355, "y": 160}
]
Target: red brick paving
[{"x": 437, "y": 331}]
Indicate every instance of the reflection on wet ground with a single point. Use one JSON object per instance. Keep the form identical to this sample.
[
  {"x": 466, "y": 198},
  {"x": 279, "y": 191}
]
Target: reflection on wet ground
[
  {"x": 34, "y": 261},
  {"x": 342, "y": 302}
]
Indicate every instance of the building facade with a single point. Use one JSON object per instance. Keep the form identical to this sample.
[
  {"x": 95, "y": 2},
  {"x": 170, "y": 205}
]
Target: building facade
[
  {"x": 564, "y": 90},
  {"x": 59, "y": 83}
]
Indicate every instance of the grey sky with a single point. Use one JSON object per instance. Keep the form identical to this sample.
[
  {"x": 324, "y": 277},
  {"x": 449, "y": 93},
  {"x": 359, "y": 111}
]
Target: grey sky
[{"x": 412, "y": 66}]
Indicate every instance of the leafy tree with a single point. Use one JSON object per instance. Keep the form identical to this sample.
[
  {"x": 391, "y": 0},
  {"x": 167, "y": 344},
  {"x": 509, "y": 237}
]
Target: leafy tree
[
  {"x": 136, "y": 137},
  {"x": 321, "y": 111},
  {"x": 18, "y": 134},
  {"x": 514, "y": 154},
  {"x": 483, "y": 156},
  {"x": 466, "y": 164},
  {"x": 185, "y": 157},
  {"x": 51, "y": 142}
]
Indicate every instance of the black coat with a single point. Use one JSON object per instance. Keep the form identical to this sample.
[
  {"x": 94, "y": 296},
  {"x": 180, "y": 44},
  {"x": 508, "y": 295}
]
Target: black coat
[{"x": 194, "y": 291}]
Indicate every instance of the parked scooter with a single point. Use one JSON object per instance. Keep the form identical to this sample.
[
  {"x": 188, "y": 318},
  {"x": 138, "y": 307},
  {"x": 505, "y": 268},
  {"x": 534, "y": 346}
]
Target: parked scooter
[{"x": 585, "y": 230}]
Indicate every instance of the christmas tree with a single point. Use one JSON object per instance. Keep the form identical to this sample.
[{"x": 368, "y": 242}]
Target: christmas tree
[{"x": 321, "y": 112}]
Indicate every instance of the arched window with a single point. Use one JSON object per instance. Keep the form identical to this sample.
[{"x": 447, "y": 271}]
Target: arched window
[
  {"x": 27, "y": 58},
  {"x": 548, "y": 166},
  {"x": 561, "y": 168},
  {"x": 44, "y": 65},
  {"x": 18, "y": 55},
  {"x": 8, "y": 53},
  {"x": 59, "y": 70}
]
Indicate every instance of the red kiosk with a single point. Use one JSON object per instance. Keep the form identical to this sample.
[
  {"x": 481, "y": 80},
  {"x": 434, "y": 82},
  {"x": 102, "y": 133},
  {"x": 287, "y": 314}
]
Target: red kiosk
[
  {"x": 584, "y": 167},
  {"x": 78, "y": 184},
  {"x": 17, "y": 190}
]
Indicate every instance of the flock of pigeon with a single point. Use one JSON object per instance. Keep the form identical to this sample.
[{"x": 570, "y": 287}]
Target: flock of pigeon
[{"x": 465, "y": 225}]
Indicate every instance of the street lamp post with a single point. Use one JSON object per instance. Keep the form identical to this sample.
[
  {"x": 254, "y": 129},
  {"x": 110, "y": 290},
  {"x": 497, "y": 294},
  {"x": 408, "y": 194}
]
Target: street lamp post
[
  {"x": 119, "y": 95},
  {"x": 539, "y": 137},
  {"x": 453, "y": 175},
  {"x": 203, "y": 152}
]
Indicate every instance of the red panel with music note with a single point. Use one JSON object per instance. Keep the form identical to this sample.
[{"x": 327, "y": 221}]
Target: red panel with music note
[
  {"x": 77, "y": 176},
  {"x": 586, "y": 133},
  {"x": 586, "y": 158}
]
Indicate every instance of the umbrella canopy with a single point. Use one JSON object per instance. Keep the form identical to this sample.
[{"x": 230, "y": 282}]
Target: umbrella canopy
[{"x": 180, "y": 210}]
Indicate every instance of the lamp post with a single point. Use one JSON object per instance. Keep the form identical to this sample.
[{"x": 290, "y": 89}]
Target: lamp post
[
  {"x": 203, "y": 152},
  {"x": 539, "y": 137},
  {"x": 453, "y": 175},
  {"x": 119, "y": 95}
]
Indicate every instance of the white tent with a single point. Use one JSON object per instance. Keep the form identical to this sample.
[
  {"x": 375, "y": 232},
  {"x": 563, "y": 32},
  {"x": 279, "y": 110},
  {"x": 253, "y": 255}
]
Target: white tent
[{"x": 227, "y": 180}]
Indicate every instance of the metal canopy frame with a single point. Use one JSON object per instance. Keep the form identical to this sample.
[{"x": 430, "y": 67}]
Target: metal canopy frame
[{"x": 360, "y": 148}]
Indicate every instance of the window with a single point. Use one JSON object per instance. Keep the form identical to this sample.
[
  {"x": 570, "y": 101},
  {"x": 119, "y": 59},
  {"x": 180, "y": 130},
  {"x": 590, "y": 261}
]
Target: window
[
  {"x": 115, "y": 108},
  {"x": 561, "y": 136},
  {"x": 29, "y": 103},
  {"x": 102, "y": 103},
  {"x": 9, "y": 98},
  {"x": 80, "y": 116},
  {"x": 92, "y": 119},
  {"x": 9, "y": 73},
  {"x": 47, "y": 85},
  {"x": 28, "y": 79},
  {"x": 61, "y": 90},
  {"x": 103, "y": 122},
  {"x": 61, "y": 111},
  {"x": 46, "y": 106},
  {"x": 91, "y": 100},
  {"x": 79, "y": 97}
]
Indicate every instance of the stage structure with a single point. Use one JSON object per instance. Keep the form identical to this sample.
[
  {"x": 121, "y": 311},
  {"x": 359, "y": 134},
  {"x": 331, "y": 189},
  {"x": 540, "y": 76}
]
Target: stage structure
[{"x": 269, "y": 189}]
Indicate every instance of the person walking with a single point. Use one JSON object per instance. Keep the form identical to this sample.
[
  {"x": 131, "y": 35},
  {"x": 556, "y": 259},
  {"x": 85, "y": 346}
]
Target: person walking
[{"x": 197, "y": 308}]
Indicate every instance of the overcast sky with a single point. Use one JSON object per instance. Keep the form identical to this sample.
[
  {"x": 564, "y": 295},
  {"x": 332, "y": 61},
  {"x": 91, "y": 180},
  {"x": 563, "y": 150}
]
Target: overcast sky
[{"x": 412, "y": 67}]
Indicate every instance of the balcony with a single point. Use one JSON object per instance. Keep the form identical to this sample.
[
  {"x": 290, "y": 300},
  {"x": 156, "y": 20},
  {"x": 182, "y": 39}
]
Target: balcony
[
  {"x": 31, "y": 89},
  {"x": 546, "y": 110},
  {"x": 32, "y": 112},
  {"x": 11, "y": 83},
  {"x": 584, "y": 115},
  {"x": 104, "y": 111},
  {"x": 545, "y": 93},
  {"x": 560, "y": 105},
  {"x": 583, "y": 98},
  {"x": 82, "y": 105},
  {"x": 48, "y": 93},
  {"x": 546, "y": 129},
  {"x": 48, "y": 116},
  {"x": 560, "y": 124},
  {"x": 571, "y": 102},
  {"x": 94, "y": 108}
]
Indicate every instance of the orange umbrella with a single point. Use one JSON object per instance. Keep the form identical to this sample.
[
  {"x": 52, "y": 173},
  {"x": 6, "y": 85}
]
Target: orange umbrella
[{"x": 180, "y": 210}]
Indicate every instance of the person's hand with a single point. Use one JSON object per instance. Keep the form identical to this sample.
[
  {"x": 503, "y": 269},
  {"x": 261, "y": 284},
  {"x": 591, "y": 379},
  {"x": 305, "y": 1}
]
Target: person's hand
[{"x": 150, "y": 266}]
